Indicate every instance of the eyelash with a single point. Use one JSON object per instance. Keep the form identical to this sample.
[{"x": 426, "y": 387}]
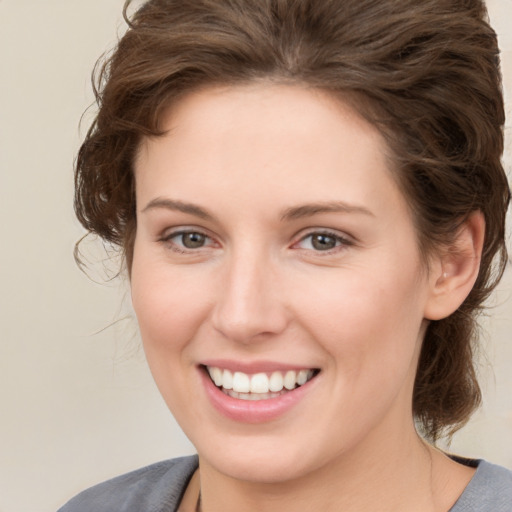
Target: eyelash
[{"x": 341, "y": 242}]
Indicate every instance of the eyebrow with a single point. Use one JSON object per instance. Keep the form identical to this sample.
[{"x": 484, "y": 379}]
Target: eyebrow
[
  {"x": 292, "y": 213},
  {"x": 180, "y": 206},
  {"x": 308, "y": 210}
]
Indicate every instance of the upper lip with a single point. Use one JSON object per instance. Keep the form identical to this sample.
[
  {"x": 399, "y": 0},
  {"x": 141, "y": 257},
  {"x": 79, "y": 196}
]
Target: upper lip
[{"x": 255, "y": 366}]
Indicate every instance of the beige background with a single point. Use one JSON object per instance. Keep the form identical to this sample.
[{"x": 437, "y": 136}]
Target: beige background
[{"x": 77, "y": 404}]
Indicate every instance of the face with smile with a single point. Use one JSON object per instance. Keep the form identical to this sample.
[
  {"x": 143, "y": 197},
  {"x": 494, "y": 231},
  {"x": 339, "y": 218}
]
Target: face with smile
[{"x": 277, "y": 281}]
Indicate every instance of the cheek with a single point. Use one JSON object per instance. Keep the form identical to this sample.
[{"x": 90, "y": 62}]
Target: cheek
[
  {"x": 364, "y": 319},
  {"x": 169, "y": 313},
  {"x": 168, "y": 308}
]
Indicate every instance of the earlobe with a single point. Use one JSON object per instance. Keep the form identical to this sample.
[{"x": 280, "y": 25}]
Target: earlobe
[{"x": 453, "y": 274}]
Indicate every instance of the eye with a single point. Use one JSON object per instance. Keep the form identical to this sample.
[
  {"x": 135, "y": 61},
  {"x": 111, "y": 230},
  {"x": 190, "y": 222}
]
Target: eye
[
  {"x": 187, "y": 240},
  {"x": 191, "y": 240},
  {"x": 322, "y": 242}
]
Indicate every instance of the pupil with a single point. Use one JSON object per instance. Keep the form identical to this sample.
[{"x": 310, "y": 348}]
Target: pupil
[
  {"x": 193, "y": 240},
  {"x": 323, "y": 242}
]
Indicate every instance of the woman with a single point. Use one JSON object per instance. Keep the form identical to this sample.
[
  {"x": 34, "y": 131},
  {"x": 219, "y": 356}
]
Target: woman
[{"x": 311, "y": 205}]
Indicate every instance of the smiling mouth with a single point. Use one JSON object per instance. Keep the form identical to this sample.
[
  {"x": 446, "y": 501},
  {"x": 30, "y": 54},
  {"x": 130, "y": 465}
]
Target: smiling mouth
[{"x": 259, "y": 386}]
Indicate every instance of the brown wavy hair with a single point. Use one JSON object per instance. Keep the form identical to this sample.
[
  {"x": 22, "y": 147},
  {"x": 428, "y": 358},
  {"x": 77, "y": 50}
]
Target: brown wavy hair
[{"x": 424, "y": 72}]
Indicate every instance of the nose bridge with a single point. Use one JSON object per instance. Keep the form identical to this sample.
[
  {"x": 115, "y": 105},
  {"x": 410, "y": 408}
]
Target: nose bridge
[{"x": 249, "y": 302}]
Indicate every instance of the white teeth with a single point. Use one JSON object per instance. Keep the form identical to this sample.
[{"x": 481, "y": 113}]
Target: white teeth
[
  {"x": 227, "y": 379},
  {"x": 276, "y": 382},
  {"x": 290, "y": 379},
  {"x": 241, "y": 382},
  {"x": 259, "y": 385},
  {"x": 216, "y": 375},
  {"x": 302, "y": 377}
]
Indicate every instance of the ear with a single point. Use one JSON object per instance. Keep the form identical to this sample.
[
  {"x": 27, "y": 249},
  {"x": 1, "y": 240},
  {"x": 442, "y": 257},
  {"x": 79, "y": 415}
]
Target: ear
[{"x": 454, "y": 270}]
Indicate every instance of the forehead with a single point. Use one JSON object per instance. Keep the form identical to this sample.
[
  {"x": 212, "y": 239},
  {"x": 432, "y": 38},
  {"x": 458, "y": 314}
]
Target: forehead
[
  {"x": 265, "y": 145},
  {"x": 271, "y": 120}
]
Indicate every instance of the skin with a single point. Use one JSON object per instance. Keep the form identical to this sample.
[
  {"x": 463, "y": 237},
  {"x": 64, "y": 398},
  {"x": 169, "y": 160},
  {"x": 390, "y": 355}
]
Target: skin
[{"x": 258, "y": 289}]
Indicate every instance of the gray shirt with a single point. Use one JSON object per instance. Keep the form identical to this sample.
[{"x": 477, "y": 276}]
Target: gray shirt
[{"x": 160, "y": 487}]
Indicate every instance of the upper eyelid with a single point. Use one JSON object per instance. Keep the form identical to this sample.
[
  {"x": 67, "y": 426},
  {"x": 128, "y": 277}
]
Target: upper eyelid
[
  {"x": 324, "y": 231},
  {"x": 343, "y": 243},
  {"x": 178, "y": 230},
  {"x": 166, "y": 239}
]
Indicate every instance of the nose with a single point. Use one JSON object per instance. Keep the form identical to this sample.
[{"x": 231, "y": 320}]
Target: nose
[{"x": 250, "y": 303}]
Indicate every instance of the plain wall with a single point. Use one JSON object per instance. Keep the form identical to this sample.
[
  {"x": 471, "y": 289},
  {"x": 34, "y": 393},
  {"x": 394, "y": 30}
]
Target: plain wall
[{"x": 77, "y": 403}]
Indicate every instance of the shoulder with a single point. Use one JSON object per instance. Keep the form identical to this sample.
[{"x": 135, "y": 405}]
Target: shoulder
[
  {"x": 155, "y": 488},
  {"x": 490, "y": 490}
]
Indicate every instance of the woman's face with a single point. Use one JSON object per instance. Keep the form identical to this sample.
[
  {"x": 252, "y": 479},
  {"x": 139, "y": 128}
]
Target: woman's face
[{"x": 274, "y": 247}]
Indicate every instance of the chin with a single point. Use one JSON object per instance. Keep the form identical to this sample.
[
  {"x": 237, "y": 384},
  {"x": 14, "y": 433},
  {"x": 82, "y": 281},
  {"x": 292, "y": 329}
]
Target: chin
[
  {"x": 263, "y": 465},
  {"x": 266, "y": 471}
]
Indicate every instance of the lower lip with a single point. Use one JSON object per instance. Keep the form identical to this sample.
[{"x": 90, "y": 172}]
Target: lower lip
[{"x": 253, "y": 411}]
